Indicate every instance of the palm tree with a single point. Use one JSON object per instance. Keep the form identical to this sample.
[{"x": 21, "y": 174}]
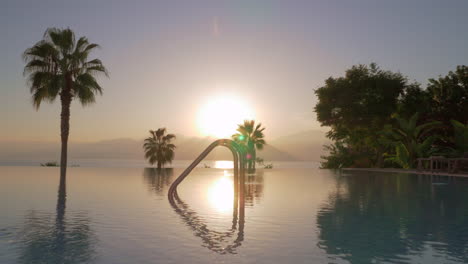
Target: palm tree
[
  {"x": 252, "y": 137},
  {"x": 58, "y": 65},
  {"x": 460, "y": 138},
  {"x": 158, "y": 147},
  {"x": 411, "y": 141}
]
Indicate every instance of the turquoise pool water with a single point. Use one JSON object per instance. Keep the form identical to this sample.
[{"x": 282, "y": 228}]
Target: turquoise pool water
[{"x": 300, "y": 215}]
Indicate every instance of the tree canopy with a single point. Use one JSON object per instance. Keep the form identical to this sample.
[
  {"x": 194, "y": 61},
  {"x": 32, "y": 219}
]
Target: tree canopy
[
  {"x": 159, "y": 147},
  {"x": 360, "y": 106},
  {"x": 365, "y": 97}
]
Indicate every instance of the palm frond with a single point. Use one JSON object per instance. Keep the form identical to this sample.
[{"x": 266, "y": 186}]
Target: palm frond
[
  {"x": 44, "y": 86},
  {"x": 413, "y": 121},
  {"x": 81, "y": 44},
  {"x": 426, "y": 145},
  {"x": 86, "y": 96},
  {"x": 401, "y": 157},
  {"x": 87, "y": 81},
  {"x": 91, "y": 47},
  {"x": 64, "y": 39},
  {"x": 38, "y": 96},
  {"x": 158, "y": 147},
  {"x": 56, "y": 56},
  {"x": 460, "y": 138},
  {"x": 427, "y": 127},
  {"x": 40, "y": 50},
  {"x": 169, "y": 137}
]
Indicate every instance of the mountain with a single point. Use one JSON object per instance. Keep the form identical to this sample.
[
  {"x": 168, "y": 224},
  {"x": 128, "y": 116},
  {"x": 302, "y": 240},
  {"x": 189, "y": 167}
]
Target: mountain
[
  {"x": 307, "y": 145},
  {"x": 188, "y": 148},
  {"x": 301, "y": 146}
]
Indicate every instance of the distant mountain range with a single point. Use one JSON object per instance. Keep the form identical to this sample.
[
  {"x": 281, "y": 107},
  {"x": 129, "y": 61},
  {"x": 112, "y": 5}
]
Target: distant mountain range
[{"x": 305, "y": 146}]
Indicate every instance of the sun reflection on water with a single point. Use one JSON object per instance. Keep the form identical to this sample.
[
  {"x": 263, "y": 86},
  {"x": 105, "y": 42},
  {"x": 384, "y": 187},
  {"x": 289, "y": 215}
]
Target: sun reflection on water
[
  {"x": 224, "y": 164},
  {"x": 221, "y": 194}
]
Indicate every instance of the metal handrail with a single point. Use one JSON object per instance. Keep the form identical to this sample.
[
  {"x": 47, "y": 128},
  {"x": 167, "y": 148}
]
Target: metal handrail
[{"x": 239, "y": 166}]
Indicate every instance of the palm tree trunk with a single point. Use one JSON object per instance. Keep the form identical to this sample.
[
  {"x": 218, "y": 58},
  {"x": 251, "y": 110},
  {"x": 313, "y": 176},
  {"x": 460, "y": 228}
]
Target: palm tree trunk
[
  {"x": 159, "y": 165},
  {"x": 251, "y": 164},
  {"x": 65, "y": 98},
  {"x": 254, "y": 159}
]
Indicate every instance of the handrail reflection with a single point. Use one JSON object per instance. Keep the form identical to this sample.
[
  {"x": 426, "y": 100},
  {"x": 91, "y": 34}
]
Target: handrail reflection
[{"x": 212, "y": 239}]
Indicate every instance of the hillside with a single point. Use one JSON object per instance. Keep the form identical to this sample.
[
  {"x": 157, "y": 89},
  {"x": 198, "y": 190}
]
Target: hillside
[{"x": 302, "y": 146}]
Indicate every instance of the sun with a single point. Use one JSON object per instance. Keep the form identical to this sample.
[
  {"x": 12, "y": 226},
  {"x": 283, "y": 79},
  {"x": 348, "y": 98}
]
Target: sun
[{"x": 220, "y": 115}]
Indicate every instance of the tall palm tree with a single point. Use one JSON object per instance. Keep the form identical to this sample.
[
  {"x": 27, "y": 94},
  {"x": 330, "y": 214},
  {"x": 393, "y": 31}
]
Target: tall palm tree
[
  {"x": 58, "y": 65},
  {"x": 251, "y": 136},
  {"x": 158, "y": 147}
]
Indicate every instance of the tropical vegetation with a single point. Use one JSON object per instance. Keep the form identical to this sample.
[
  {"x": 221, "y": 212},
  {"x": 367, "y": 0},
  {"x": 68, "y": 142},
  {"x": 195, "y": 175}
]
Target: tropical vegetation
[
  {"x": 460, "y": 138},
  {"x": 261, "y": 162},
  {"x": 250, "y": 136},
  {"x": 377, "y": 118},
  {"x": 411, "y": 141},
  {"x": 59, "y": 66},
  {"x": 159, "y": 147}
]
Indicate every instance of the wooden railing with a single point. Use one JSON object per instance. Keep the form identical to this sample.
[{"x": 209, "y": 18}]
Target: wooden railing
[{"x": 442, "y": 164}]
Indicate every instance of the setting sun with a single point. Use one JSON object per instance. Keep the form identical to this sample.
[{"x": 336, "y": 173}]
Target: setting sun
[{"x": 220, "y": 116}]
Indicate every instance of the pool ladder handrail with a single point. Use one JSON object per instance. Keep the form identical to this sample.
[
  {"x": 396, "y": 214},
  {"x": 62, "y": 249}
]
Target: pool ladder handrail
[{"x": 238, "y": 153}]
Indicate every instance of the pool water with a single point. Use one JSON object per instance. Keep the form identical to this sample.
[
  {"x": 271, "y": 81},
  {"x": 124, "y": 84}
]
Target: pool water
[{"x": 296, "y": 215}]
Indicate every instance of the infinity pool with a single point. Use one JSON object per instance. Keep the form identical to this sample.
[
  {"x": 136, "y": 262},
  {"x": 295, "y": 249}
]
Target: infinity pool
[{"x": 117, "y": 215}]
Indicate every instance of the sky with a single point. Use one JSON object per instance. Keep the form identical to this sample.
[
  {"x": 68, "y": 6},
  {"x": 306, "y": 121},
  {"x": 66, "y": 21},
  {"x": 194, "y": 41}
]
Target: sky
[{"x": 169, "y": 59}]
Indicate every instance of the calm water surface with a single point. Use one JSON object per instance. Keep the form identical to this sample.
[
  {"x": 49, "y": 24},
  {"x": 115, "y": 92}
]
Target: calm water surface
[{"x": 302, "y": 215}]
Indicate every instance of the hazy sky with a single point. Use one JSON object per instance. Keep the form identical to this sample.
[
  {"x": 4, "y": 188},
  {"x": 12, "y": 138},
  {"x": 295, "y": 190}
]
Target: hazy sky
[{"x": 167, "y": 58}]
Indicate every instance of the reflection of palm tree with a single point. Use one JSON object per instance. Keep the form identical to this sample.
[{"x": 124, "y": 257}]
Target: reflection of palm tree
[
  {"x": 371, "y": 218},
  {"x": 158, "y": 147},
  {"x": 62, "y": 242},
  {"x": 158, "y": 179},
  {"x": 213, "y": 240},
  {"x": 252, "y": 137},
  {"x": 254, "y": 187}
]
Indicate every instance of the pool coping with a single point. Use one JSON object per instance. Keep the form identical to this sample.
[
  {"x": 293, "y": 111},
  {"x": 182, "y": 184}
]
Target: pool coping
[{"x": 463, "y": 175}]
